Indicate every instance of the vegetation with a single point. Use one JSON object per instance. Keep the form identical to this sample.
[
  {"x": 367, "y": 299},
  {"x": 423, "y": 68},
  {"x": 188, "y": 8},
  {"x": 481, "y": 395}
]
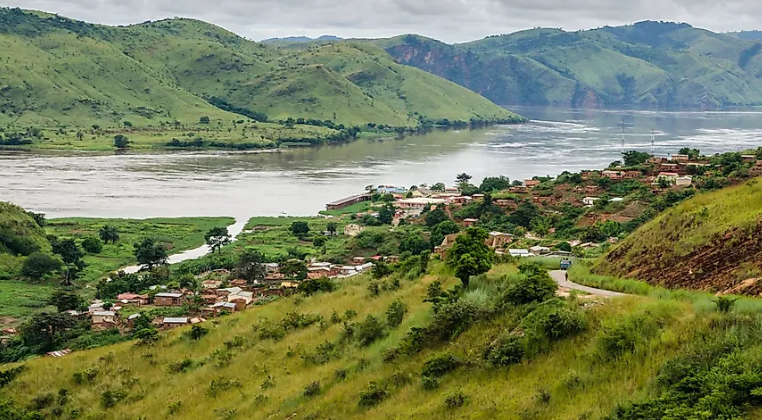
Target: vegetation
[
  {"x": 188, "y": 84},
  {"x": 650, "y": 64}
]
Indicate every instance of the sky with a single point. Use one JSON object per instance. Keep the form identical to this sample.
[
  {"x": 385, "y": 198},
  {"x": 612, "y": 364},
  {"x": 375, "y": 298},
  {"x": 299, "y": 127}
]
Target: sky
[{"x": 446, "y": 20}]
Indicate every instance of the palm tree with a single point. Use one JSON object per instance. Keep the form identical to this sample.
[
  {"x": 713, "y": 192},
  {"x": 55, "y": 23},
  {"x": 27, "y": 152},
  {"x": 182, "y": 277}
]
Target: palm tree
[{"x": 109, "y": 234}]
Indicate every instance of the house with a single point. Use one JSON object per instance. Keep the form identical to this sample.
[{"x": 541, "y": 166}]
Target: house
[
  {"x": 656, "y": 160},
  {"x": 318, "y": 272},
  {"x": 103, "y": 319},
  {"x": 503, "y": 203},
  {"x": 539, "y": 250},
  {"x": 132, "y": 319},
  {"x": 365, "y": 267},
  {"x": 132, "y": 299},
  {"x": 518, "y": 189},
  {"x": 169, "y": 323},
  {"x": 478, "y": 197},
  {"x": 211, "y": 284},
  {"x": 749, "y": 158},
  {"x": 169, "y": 299},
  {"x": 684, "y": 181},
  {"x": 469, "y": 222},
  {"x": 348, "y": 270},
  {"x": 587, "y": 175},
  {"x": 358, "y": 260},
  {"x": 461, "y": 199},
  {"x": 238, "y": 283},
  {"x": 519, "y": 253},
  {"x": 616, "y": 200},
  {"x": 197, "y": 320},
  {"x": 228, "y": 291},
  {"x": 670, "y": 177},
  {"x": 612, "y": 174},
  {"x": 210, "y": 298},
  {"x": 220, "y": 307},
  {"x": 531, "y": 183},
  {"x": 589, "y": 201},
  {"x": 632, "y": 174},
  {"x": 390, "y": 189},
  {"x": 452, "y": 190},
  {"x": 241, "y": 298},
  {"x": 498, "y": 239},
  {"x": 58, "y": 353},
  {"x": 668, "y": 167},
  {"x": 680, "y": 158},
  {"x": 418, "y": 204},
  {"x": 591, "y": 189}
]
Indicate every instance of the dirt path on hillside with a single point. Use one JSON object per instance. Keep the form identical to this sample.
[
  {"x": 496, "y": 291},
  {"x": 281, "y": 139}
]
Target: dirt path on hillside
[{"x": 559, "y": 276}]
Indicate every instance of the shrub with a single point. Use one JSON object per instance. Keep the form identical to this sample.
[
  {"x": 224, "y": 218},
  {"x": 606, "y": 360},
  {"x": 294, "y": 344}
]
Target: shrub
[
  {"x": 554, "y": 319},
  {"x": 197, "y": 332},
  {"x": 182, "y": 366},
  {"x": 221, "y": 385},
  {"x": 7, "y": 376},
  {"x": 369, "y": 330},
  {"x": 295, "y": 321},
  {"x": 440, "y": 365},
  {"x": 92, "y": 245},
  {"x": 455, "y": 400},
  {"x": 395, "y": 314},
  {"x": 506, "y": 350},
  {"x": 270, "y": 331},
  {"x": 340, "y": 374},
  {"x": 312, "y": 389},
  {"x": 42, "y": 401},
  {"x": 622, "y": 335},
  {"x": 111, "y": 398},
  {"x": 350, "y": 314},
  {"x": 428, "y": 383},
  {"x": 374, "y": 288},
  {"x": 454, "y": 318},
  {"x": 147, "y": 336},
  {"x": 399, "y": 379},
  {"x": 85, "y": 376},
  {"x": 38, "y": 265},
  {"x": 373, "y": 395},
  {"x": 335, "y": 318},
  {"x": 725, "y": 303},
  {"x": 531, "y": 287}
]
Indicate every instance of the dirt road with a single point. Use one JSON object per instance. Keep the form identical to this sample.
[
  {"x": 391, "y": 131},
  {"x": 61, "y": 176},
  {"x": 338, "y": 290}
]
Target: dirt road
[{"x": 560, "y": 277}]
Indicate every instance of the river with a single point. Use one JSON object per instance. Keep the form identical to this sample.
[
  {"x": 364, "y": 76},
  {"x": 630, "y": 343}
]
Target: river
[{"x": 300, "y": 182}]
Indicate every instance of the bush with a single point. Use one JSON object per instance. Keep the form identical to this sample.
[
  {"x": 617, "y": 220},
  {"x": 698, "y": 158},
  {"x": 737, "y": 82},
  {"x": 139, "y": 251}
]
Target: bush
[
  {"x": 399, "y": 379},
  {"x": 183, "y": 366},
  {"x": 395, "y": 314},
  {"x": 440, "y": 365},
  {"x": 623, "y": 335},
  {"x": 270, "y": 331},
  {"x": 536, "y": 286},
  {"x": 85, "y": 376},
  {"x": 428, "y": 383},
  {"x": 455, "y": 400},
  {"x": 369, "y": 330},
  {"x": 296, "y": 321},
  {"x": 111, "y": 398},
  {"x": 221, "y": 385},
  {"x": 38, "y": 265},
  {"x": 92, "y": 245},
  {"x": 340, "y": 374},
  {"x": 310, "y": 287},
  {"x": 373, "y": 395},
  {"x": 312, "y": 389},
  {"x": 197, "y": 332},
  {"x": 506, "y": 350},
  {"x": 554, "y": 319},
  {"x": 725, "y": 303}
]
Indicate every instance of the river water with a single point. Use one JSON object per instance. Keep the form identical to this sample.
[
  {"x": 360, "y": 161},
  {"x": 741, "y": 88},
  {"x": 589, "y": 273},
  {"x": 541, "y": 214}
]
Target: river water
[{"x": 300, "y": 182}]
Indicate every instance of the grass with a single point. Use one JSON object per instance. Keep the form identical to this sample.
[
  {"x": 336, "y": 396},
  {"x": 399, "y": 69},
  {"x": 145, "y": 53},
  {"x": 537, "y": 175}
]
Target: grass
[
  {"x": 360, "y": 207},
  {"x": 250, "y": 377},
  {"x": 180, "y": 234},
  {"x": 19, "y": 300},
  {"x": 272, "y": 236}
]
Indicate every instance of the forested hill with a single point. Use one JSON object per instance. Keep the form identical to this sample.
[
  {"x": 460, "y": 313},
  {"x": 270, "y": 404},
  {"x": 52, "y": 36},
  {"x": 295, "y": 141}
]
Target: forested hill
[
  {"x": 648, "y": 64},
  {"x": 56, "y": 72}
]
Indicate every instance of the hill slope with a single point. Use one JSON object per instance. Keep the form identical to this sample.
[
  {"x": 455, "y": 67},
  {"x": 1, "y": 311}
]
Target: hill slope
[
  {"x": 20, "y": 236},
  {"x": 57, "y": 71},
  {"x": 294, "y": 359},
  {"x": 710, "y": 242},
  {"x": 648, "y": 64}
]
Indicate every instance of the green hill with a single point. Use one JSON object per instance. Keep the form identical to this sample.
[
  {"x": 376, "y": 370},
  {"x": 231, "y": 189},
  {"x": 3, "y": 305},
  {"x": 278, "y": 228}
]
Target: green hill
[
  {"x": 476, "y": 354},
  {"x": 20, "y": 236},
  {"x": 60, "y": 72},
  {"x": 649, "y": 64},
  {"x": 710, "y": 242}
]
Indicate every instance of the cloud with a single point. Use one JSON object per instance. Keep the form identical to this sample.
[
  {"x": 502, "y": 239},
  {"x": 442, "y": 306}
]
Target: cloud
[{"x": 448, "y": 20}]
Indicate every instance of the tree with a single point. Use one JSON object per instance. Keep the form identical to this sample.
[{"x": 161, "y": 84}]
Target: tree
[
  {"x": 80, "y": 135},
  {"x": 295, "y": 269},
  {"x": 109, "y": 234},
  {"x": 438, "y": 187},
  {"x": 463, "y": 178},
  {"x": 65, "y": 300},
  {"x": 381, "y": 270},
  {"x": 414, "y": 244},
  {"x": 634, "y": 158},
  {"x": 541, "y": 226},
  {"x": 39, "y": 218},
  {"x": 479, "y": 255},
  {"x": 204, "y": 120},
  {"x": 38, "y": 265},
  {"x": 250, "y": 267},
  {"x": 524, "y": 214},
  {"x": 386, "y": 215},
  {"x": 92, "y": 245},
  {"x": 300, "y": 229},
  {"x": 127, "y": 124},
  {"x": 491, "y": 184},
  {"x": 436, "y": 217},
  {"x": 332, "y": 227},
  {"x": 319, "y": 241},
  {"x": 216, "y": 238},
  {"x": 150, "y": 253},
  {"x": 564, "y": 246},
  {"x": 692, "y": 154},
  {"x": 121, "y": 141},
  {"x": 71, "y": 255},
  {"x": 44, "y": 329}
]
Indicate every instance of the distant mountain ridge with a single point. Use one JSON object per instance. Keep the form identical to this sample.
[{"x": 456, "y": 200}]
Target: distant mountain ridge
[
  {"x": 648, "y": 64},
  {"x": 300, "y": 39}
]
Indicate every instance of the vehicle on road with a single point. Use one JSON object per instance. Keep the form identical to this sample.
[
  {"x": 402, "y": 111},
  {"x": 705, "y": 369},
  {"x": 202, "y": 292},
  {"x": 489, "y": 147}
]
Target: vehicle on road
[{"x": 565, "y": 264}]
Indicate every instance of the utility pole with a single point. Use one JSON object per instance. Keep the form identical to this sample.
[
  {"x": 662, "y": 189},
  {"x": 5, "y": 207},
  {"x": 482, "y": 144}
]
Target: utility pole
[
  {"x": 652, "y": 141},
  {"x": 623, "y": 127}
]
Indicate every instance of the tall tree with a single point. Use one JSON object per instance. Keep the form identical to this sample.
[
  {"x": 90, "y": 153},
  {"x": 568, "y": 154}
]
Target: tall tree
[
  {"x": 332, "y": 228},
  {"x": 150, "y": 253},
  {"x": 216, "y": 238},
  {"x": 300, "y": 229},
  {"x": 491, "y": 184},
  {"x": 295, "y": 269},
  {"x": 44, "y": 329},
  {"x": 108, "y": 234},
  {"x": 65, "y": 300},
  {"x": 470, "y": 256},
  {"x": 386, "y": 214},
  {"x": 463, "y": 178},
  {"x": 121, "y": 141},
  {"x": 250, "y": 267},
  {"x": 71, "y": 255}
]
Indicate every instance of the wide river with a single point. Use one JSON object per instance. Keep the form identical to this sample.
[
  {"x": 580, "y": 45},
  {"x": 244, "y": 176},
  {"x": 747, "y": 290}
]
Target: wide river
[{"x": 300, "y": 182}]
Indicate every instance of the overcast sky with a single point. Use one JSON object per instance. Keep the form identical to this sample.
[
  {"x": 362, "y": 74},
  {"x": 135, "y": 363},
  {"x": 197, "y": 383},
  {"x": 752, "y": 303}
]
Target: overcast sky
[{"x": 447, "y": 20}]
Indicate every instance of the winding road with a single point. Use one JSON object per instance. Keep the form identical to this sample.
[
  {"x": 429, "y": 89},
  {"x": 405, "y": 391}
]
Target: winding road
[{"x": 559, "y": 276}]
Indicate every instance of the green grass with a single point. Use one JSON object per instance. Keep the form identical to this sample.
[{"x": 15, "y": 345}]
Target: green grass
[
  {"x": 180, "y": 234},
  {"x": 573, "y": 378},
  {"x": 272, "y": 236},
  {"x": 360, "y": 207},
  {"x": 19, "y": 300}
]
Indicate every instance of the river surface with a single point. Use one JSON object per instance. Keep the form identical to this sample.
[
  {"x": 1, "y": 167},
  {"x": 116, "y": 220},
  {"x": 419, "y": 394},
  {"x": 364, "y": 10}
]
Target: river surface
[{"x": 300, "y": 182}]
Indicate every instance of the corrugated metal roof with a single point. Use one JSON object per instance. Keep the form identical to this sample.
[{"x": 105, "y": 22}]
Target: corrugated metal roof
[
  {"x": 170, "y": 295},
  {"x": 175, "y": 320},
  {"x": 103, "y": 313}
]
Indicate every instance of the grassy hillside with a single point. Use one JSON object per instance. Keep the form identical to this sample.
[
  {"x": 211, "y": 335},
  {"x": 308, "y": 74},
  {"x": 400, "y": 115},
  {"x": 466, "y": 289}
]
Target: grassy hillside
[
  {"x": 710, "y": 242},
  {"x": 479, "y": 356},
  {"x": 20, "y": 236},
  {"x": 67, "y": 75},
  {"x": 647, "y": 64}
]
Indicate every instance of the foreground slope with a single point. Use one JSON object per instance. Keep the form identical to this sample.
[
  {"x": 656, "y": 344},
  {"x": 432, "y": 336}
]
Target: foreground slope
[
  {"x": 647, "y": 64},
  {"x": 56, "y": 71},
  {"x": 281, "y": 361},
  {"x": 710, "y": 242}
]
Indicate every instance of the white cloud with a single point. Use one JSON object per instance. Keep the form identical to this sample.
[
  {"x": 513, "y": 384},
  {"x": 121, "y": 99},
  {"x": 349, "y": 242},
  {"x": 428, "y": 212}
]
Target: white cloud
[{"x": 448, "y": 20}]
